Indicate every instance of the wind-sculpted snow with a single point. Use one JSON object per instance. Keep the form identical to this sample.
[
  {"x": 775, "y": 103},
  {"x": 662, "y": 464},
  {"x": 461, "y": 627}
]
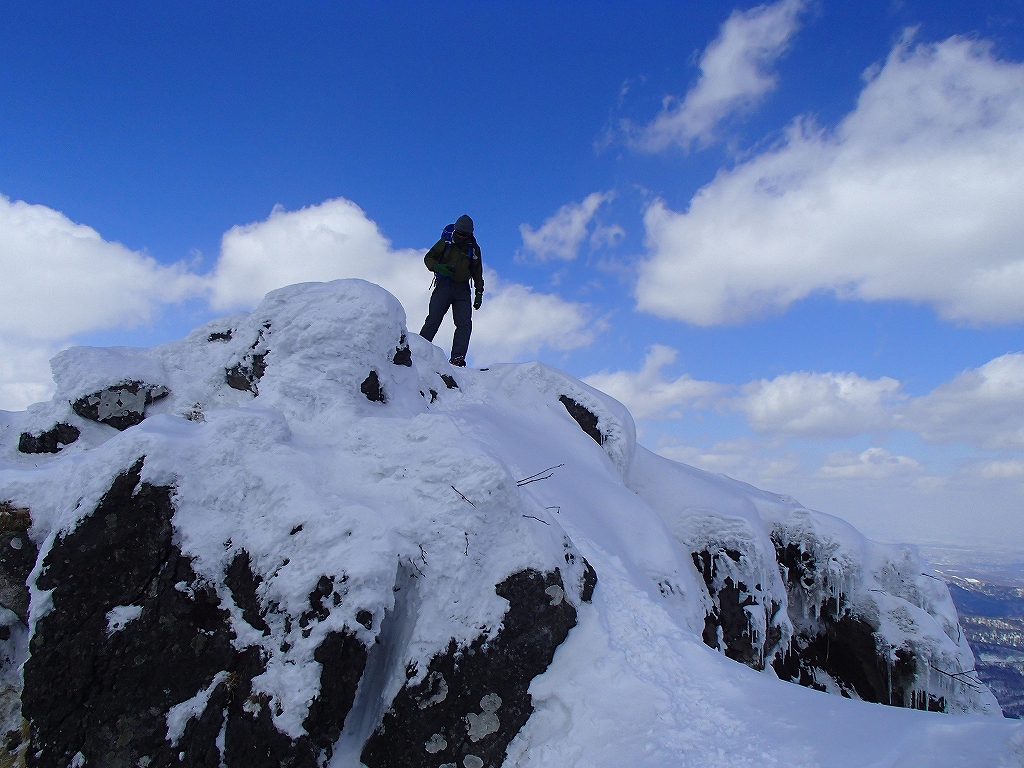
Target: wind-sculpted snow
[{"x": 299, "y": 537}]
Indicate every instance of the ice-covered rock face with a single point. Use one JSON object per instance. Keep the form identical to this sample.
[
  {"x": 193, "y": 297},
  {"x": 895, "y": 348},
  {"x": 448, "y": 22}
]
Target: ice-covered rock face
[
  {"x": 299, "y": 537},
  {"x": 807, "y": 594}
]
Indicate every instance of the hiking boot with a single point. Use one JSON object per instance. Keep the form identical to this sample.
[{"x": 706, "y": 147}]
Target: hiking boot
[{"x": 458, "y": 362}]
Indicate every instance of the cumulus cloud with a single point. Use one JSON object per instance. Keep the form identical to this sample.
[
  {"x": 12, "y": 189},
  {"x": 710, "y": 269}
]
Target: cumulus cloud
[
  {"x": 320, "y": 242},
  {"x": 819, "y": 405},
  {"x": 917, "y": 195},
  {"x": 1003, "y": 470},
  {"x": 562, "y": 234},
  {"x": 983, "y": 407},
  {"x": 735, "y": 73},
  {"x": 647, "y": 393},
  {"x": 872, "y": 464},
  {"x": 62, "y": 279},
  {"x": 514, "y": 321}
]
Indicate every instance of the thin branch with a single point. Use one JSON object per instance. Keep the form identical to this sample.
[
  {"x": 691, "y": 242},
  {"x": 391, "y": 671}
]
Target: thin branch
[
  {"x": 463, "y": 497},
  {"x": 933, "y": 577},
  {"x": 537, "y": 519},
  {"x": 521, "y": 483},
  {"x": 961, "y": 677},
  {"x": 557, "y": 509},
  {"x": 537, "y": 475}
]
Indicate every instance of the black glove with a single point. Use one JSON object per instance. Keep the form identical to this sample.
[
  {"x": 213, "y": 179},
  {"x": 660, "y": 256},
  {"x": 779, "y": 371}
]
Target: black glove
[
  {"x": 444, "y": 270},
  {"x": 479, "y": 298}
]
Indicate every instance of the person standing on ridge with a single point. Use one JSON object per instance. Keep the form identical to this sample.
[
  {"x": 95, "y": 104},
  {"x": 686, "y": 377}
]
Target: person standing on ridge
[{"x": 454, "y": 259}]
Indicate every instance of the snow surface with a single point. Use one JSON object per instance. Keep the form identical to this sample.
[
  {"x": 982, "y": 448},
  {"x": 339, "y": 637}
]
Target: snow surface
[{"x": 312, "y": 479}]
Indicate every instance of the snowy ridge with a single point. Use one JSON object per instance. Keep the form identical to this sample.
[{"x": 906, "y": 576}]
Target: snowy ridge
[{"x": 330, "y": 476}]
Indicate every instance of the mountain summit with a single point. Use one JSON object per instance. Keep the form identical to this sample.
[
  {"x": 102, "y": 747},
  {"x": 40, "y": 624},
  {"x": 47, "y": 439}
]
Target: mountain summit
[{"x": 298, "y": 537}]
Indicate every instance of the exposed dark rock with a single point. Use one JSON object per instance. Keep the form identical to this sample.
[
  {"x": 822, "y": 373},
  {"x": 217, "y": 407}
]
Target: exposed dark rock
[
  {"x": 343, "y": 659},
  {"x": 103, "y": 687},
  {"x": 220, "y": 336},
  {"x": 372, "y": 389},
  {"x": 727, "y": 627},
  {"x": 120, "y": 406},
  {"x": 449, "y": 381},
  {"x": 245, "y": 374},
  {"x": 472, "y": 701},
  {"x": 403, "y": 355},
  {"x": 243, "y": 584},
  {"x": 589, "y": 582},
  {"x": 50, "y": 441},
  {"x": 17, "y": 558},
  {"x": 433, "y": 395},
  {"x": 588, "y": 578},
  {"x": 106, "y": 695},
  {"x": 838, "y": 644},
  {"x": 846, "y": 651},
  {"x": 586, "y": 419}
]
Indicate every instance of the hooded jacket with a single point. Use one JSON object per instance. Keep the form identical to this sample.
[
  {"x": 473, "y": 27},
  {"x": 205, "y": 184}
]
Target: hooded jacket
[{"x": 463, "y": 267}]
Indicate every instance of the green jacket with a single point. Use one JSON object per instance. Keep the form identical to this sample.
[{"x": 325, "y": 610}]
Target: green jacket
[{"x": 461, "y": 265}]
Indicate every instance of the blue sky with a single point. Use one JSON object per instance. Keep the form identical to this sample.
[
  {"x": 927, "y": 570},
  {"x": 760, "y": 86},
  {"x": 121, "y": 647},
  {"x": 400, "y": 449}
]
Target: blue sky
[{"x": 789, "y": 236}]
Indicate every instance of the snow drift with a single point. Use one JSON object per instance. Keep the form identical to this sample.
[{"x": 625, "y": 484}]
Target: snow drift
[{"x": 299, "y": 537}]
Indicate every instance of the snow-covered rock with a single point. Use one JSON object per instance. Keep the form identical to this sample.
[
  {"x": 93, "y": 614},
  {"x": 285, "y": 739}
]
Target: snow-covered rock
[{"x": 299, "y": 537}]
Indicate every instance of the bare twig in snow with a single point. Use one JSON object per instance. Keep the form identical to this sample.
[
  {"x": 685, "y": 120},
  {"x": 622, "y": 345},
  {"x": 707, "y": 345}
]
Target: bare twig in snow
[
  {"x": 463, "y": 497},
  {"x": 537, "y": 475}
]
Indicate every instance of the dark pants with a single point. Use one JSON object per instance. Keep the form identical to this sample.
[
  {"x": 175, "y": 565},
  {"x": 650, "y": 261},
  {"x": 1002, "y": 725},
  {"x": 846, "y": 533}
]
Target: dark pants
[{"x": 455, "y": 295}]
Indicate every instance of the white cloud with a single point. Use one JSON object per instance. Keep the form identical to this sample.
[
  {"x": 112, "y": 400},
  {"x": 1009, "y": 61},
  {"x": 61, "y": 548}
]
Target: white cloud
[
  {"x": 62, "y": 279},
  {"x": 872, "y": 464},
  {"x": 735, "y": 75},
  {"x": 328, "y": 241},
  {"x": 650, "y": 396},
  {"x": 1003, "y": 470},
  {"x": 514, "y": 321},
  {"x": 917, "y": 195},
  {"x": 25, "y": 372},
  {"x": 983, "y": 407},
  {"x": 561, "y": 235},
  {"x": 819, "y": 404},
  {"x": 762, "y": 462}
]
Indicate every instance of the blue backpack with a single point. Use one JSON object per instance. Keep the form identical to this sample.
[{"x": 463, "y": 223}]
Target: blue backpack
[{"x": 449, "y": 232}]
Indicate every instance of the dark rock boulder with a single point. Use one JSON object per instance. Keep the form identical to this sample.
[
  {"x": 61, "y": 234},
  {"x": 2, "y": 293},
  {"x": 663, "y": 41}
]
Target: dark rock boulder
[
  {"x": 120, "y": 406},
  {"x": 473, "y": 700},
  {"x": 135, "y": 635},
  {"x": 246, "y": 373},
  {"x": 17, "y": 558},
  {"x": 584, "y": 417},
  {"x": 50, "y": 441},
  {"x": 403, "y": 355},
  {"x": 728, "y": 626},
  {"x": 372, "y": 388}
]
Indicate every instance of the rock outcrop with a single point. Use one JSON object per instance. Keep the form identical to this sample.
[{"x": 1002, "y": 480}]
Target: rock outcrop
[{"x": 299, "y": 536}]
